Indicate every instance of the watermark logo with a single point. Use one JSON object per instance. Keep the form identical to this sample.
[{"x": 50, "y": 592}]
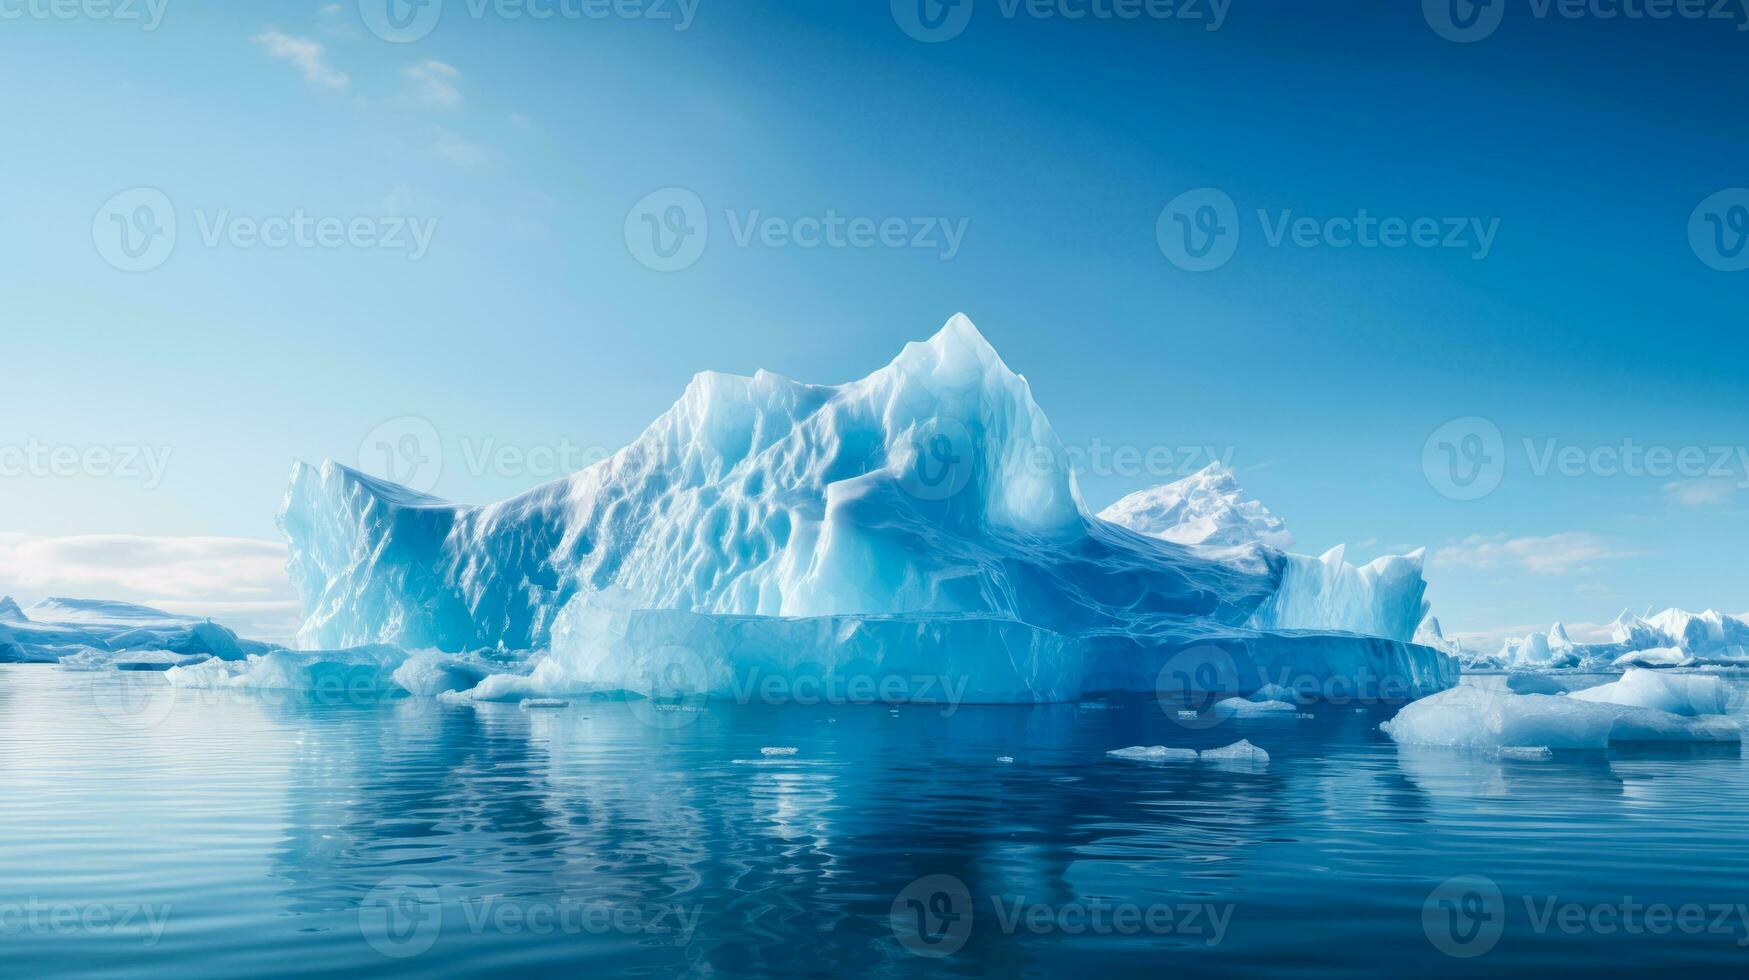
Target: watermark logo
[
  {"x": 46, "y": 918},
  {"x": 932, "y": 21},
  {"x": 1718, "y": 230},
  {"x": 1465, "y": 916},
  {"x": 404, "y": 450},
  {"x": 674, "y": 687},
  {"x": 135, "y": 231},
  {"x": 1192, "y": 681},
  {"x": 133, "y": 700},
  {"x": 402, "y": 916},
  {"x": 667, "y": 230},
  {"x": 1464, "y": 21},
  {"x": 933, "y": 916},
  {"x": 1198, "y": 230},
  {"x": 1465, "y": 459},
  {"x": 41, "y": 460},
  {"x": 401, "y": 21},
  {"x": 941, "y": 459}
]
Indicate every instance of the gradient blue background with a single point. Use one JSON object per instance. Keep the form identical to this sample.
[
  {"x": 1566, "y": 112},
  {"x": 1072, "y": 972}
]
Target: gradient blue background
[{"x": 1321, "y": 371}]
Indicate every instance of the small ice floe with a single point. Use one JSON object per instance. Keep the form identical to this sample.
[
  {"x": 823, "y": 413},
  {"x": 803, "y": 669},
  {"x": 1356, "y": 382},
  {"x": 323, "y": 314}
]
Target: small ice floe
[
  {"x": 1153, "y": 753},
  {"x": 1274, "y": 692},
  {"x": 1241, "y": 751},
  {"x": 1360, "y": 711},
  {"x": 772, "y": 751},
  {"x": 1006, "y": 760},
  {"x": 530, "y": 703},
  {"x": 1244, "y": 708},
  {"x": 1093, "y": 706},
  {"x": 1641, "y": 707},
  {"x": 1187, "y": 716},
  {"x": 1526, "y": 753}
]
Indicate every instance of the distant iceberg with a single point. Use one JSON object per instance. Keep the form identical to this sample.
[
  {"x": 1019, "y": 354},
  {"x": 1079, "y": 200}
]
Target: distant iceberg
[
  {"x": 1672, "y": 638},
  {"x": 921, "y": 521},
  {"x": 103, "y": 631}
]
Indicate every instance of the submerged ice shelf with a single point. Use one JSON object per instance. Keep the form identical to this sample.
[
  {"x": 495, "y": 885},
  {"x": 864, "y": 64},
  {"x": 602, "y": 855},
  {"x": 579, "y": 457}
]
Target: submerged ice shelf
[{"x": 923, "y": 520}]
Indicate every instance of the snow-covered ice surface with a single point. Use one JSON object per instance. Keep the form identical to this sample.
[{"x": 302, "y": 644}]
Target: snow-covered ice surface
[
  {"x": 923, "y": 520},
  {"x": 1206, "y": 508},
  {"x": 1154, "y": 753},
  {"x": 1679, "y": 694},
  {"x": 118, "y": 633},
  {"x": 1472, "y": 717}
]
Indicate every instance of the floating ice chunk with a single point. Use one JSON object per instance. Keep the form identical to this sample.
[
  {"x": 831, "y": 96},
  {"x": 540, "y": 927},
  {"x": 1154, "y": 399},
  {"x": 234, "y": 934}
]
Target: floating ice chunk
[
  {"x": 1470, "y": 717},
  {"x": 1154, "y": 753},
  {"x": 532, "y": 703},
  {"x": 771, "y": 751},
  {"x": 1242, "y": 708},
  {"x": 429, "y": 674},
  {"x": 1274, "y": 692},
  {"x": 1526, "y": 753},
  {"x": 1679, "y": 694},
  {"x": 1655, "y": 657},
  {"x": 1005, "y": 759},
  {"x": 1241, "y": 751}
]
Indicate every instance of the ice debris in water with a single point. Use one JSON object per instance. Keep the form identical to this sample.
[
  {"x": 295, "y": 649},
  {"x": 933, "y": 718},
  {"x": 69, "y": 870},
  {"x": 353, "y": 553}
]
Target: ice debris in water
[
  {"x": 1241, "y": 751},
  {"x": 528, "y": 703},
  {"x": 1245, "y": 708},
  {"x": 924, "y": 518},
  {"x": 1153, "y": 753},
  {"x": 1274, "y": 692},
  {"x": 1471, "y": 717},
  {"x": 1005, "y": 759},
  {"x": 777, "y": 750},
  {"x": 1526, "y": 753}
]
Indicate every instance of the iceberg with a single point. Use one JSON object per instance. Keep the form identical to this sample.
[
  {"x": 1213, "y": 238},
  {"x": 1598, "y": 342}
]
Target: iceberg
[
  {"x": 920, "y": 522},
  {"x": 365, "y": 672},
  {"x": 96, "y": 629},
  {"x": 1470, "y": 717},
  {"x": 1672, "y": 638},
  {"x": 1240, "y": 752},
  {"x": 1679, "y": 694},
  {"x": 1154, "y": 753}
]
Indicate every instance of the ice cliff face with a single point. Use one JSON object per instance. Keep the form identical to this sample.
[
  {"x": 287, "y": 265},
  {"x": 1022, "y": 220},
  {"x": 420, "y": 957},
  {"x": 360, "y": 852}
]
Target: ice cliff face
[{"x": 934, "y": 489}]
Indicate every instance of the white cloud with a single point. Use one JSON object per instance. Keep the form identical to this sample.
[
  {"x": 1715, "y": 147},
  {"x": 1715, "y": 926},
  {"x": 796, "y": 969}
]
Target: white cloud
[
  {"x": 308, "y": 56},
  {"x": 461, "y": 152},
  {"x": 241, "y": 582},
  {"x": 433, "y": 84},
  {"x": 1698, "y": 493},
  {"x": 1555, "y": 554}
]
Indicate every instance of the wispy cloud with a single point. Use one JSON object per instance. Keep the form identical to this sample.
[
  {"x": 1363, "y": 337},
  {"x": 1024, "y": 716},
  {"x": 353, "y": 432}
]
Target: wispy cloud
[
  {"x": 460, "y": 151},
  {"x": 241, "y": 582},
  {"x": 1699, "y": 493},
  {"x": 1555, "y": 554},
  {"x": 434, "y": 84},
  {"x": 308, "y": 56}
]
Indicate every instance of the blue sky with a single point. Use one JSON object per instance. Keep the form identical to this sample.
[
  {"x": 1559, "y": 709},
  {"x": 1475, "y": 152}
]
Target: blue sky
[{"x": 487, "y": 269}]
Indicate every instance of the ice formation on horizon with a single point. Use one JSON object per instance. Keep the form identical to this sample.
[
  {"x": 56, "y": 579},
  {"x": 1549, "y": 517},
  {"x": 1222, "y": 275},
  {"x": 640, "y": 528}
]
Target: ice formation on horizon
[
  {"x": 1672, "y": 638},
  {"x": 924, "y": 518},
  {"x": 103, "y": 631}
]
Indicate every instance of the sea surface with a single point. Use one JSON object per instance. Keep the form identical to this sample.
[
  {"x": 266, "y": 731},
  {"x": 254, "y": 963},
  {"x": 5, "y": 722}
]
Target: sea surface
[{"x": 150, "y": 831}]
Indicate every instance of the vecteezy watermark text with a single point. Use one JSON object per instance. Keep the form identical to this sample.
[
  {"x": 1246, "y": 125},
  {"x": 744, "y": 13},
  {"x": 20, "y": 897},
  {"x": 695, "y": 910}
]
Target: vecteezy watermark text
[
  {"x": 668, "y": 229},
  {"x": 41, "y": 917},
  {"x": 404, "y": 21},
  {"x": 40, "y": 460},
  {"x": 1467, "y": 916},
  {"x": 1465, "y": 459},
  {"x": 149, "y": 14},
  {"x": 1468, "y": 21},
  {"x": 1200, "y": 230},
  {"x": 935, "y": 21},
  {"x": 936, "y": 915}
]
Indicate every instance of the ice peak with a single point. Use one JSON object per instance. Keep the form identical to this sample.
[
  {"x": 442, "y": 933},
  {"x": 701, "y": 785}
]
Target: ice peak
[{"x": 9, "y": 611}]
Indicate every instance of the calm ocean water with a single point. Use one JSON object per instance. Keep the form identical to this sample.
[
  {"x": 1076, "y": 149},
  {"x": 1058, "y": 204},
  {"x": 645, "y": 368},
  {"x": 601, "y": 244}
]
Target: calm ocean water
[{"x": 154, "y": 832}]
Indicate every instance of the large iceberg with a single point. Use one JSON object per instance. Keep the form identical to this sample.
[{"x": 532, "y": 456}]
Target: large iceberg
[
  {"x": 1471, "y": 717},
  {"x": 922, "y": 519},
  {"x": 57, "y": 628}
]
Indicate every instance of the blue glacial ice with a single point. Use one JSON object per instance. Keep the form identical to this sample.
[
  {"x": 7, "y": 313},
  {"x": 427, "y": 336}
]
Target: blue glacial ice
[
  {"x": 1474, "y": 717},
  {"x": 921, "y": 523},
  {"x": 1672, "y": 638},
  {"x": 111, "y": 633}
]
